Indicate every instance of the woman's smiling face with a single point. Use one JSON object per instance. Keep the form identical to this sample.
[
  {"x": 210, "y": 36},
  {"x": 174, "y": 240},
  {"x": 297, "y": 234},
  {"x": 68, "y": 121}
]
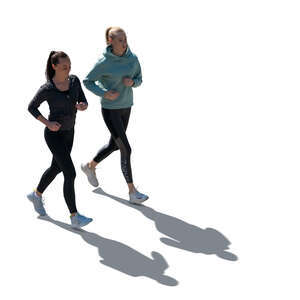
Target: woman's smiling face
[
  {"x": 119, "y": 43},
  {"x": 63, "y": 66}
]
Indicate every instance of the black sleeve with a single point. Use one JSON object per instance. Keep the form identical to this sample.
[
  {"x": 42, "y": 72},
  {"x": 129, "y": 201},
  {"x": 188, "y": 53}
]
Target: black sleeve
[
  {"x": 39, "y": 98},
  {"x": 81, "y": 93}
]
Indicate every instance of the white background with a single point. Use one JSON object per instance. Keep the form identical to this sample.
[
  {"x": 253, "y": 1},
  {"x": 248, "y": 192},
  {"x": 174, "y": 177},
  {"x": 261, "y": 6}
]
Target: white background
[{"x": 215, "y": 138}]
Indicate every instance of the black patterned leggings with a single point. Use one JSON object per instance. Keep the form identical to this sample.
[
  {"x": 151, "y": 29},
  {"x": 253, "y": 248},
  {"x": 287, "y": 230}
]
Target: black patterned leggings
[{"x": 116, "y": 121}]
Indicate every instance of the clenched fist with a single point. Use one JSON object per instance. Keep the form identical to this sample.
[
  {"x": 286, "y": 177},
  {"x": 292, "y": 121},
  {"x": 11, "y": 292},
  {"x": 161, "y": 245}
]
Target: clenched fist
[
  {"x": 111, "y": 95},
  {"x": 128, "y": 81},
  {"x": 81, "y": 106},
  {"x": 53, "y": 126}
]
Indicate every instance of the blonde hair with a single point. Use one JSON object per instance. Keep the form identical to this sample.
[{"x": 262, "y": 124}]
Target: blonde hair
[{"x": 112, "y": 32}]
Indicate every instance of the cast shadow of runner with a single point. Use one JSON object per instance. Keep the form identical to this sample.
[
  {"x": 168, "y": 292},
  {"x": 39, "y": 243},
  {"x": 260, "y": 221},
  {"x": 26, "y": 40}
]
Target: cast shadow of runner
[
  {"x": 121, "y": 257},
  {"x": 183, "y": 235}
]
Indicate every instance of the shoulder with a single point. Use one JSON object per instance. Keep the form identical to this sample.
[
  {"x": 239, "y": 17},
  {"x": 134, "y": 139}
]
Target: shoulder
[
  {"x": 100, "y": 66},
  {"x": 44, "y": 88},
  {"x": 133, "y": 55},
  {"x": 100, "y": 63},
  {"x": 135, "y": 59},
  {"x": 102, "y": 60},
  {"x": 75, "y": 80},
  {"x": 74, "y": 77}
]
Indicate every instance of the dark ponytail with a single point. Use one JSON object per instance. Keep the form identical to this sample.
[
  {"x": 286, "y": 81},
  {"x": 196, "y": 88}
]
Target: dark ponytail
[{"x": 53, "y": 59}]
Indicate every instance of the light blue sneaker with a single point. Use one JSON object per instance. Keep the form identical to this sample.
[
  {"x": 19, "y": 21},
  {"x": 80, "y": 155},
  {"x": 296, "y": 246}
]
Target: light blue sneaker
[
  {"x": 79, "y": 220},
  {"x": 37, "y": 203},
  {"x": 137, "y": 198}
]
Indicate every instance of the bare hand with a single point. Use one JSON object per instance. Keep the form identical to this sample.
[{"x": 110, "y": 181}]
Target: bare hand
[
  {"x": 128, "y": 81},
  {"x": 81, "y": 106},
  {"x": 111, "y": 95},
  {"x": 53, "y": 126}
]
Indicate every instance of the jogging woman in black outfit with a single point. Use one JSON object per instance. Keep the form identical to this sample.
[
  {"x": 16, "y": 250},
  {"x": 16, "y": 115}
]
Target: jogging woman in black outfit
[{"x": 64, "y": 95}]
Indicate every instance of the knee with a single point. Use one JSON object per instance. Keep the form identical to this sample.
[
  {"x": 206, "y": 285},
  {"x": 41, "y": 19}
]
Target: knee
[
  {"x": 128, "y": 150},
  {"x": 113, "y": 147},
  {"x": 125, "y": 149},
  {"x": 70, "y": 174},
  {"x": 54, "y": 170}
]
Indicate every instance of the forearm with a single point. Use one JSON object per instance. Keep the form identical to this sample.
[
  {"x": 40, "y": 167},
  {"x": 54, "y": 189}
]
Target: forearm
[
  {"x": 94, "y": 88},
  {"x": 43, "y": 120},
  {"x": 137, "y": 81},
  {"x": 137, "y": 78}
]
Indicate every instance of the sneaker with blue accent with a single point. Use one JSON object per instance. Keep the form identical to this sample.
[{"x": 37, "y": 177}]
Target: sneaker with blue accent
[
  {"x": 137, "y": 198},
  {"x": 38, "y": 203},
  {"x": 79, "y": 220}
]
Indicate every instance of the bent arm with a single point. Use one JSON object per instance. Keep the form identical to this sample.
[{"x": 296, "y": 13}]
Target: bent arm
[
  {"x": 95, "y": 75},
  {"x": 137, "y": 78},
  {"x": 37, "y": 100},
  {"x": 82, "y": 97}
]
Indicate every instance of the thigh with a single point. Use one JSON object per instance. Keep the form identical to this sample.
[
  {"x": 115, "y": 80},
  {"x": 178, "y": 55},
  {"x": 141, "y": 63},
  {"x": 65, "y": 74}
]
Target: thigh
[
  {"x": 112, "y": 144},
  {"x": 54, "y": 165},
  {"x": 113, "y": 121},
  {"x": 60, "y": 146},
  {"x": 63, "y": 159},
  {"x": 125, "y": 117},
  {"x": 67, "y": 139},
  {"x": 115, "y": 124}
]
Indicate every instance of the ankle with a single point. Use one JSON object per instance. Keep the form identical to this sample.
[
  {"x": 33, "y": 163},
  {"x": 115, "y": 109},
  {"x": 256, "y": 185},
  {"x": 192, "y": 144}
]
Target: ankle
[
  {"x": 38, "y": 193},
  {"x": 132, "y": 190},
  {"x": 92, "y": 165}
]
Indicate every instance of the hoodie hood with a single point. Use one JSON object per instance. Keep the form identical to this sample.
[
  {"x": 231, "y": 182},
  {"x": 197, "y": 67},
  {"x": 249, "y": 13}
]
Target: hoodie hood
[{"x": 109, "y": 54}]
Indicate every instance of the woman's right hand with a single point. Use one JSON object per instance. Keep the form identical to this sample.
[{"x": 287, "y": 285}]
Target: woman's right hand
[
  {"x": 53, "y": 126},
  {"x": 111, "y": 95}
]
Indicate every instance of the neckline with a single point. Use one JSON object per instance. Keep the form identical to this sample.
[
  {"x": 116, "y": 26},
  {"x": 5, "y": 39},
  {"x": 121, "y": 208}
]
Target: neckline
[
  {"x": 124, "y": 55},
  {"x": 52, "y": 82}
]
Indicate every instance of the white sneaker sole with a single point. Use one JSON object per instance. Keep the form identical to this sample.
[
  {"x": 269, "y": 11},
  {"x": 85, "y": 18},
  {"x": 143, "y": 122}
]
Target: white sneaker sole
[
  {"x": 77, "y": 226},
  {"x": 138, "y": 201}
]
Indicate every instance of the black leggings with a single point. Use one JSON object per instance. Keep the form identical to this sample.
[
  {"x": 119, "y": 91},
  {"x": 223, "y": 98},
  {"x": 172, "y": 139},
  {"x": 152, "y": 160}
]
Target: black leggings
[
  {"x": 116, "y": 121},
  {"x": 60, "y": 144}
]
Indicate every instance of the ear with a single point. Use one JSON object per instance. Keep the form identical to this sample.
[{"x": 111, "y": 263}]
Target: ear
[{"x": 53, "y": 66}]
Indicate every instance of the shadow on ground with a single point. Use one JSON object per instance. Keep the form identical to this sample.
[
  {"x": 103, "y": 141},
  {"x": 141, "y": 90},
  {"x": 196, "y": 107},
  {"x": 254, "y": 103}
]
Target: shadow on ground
[
  {"x": 121, "y": 257},
  {"x": 182, "y": 235}
]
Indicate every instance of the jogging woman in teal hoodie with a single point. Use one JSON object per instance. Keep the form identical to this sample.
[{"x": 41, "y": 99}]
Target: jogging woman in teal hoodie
[{"x": 112, "y": 78}]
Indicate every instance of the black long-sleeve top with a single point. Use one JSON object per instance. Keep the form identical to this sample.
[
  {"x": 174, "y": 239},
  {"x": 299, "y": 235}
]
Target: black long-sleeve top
[{"x": 61, "y": 103}]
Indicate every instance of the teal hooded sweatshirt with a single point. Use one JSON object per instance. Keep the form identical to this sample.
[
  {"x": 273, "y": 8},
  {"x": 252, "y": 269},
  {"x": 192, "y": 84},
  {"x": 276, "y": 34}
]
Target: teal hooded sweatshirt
[{"x": 108, "y": 73}]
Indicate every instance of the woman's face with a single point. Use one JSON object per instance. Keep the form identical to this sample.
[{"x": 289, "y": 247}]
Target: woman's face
[
  {"x": 119, "y": 43},
  {"x": 63, "y": 67}
]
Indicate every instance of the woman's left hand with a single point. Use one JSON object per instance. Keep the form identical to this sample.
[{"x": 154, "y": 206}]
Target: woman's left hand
[
  {"x": 81, "y": 106},
  {"x": 128, "y": 81}
]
